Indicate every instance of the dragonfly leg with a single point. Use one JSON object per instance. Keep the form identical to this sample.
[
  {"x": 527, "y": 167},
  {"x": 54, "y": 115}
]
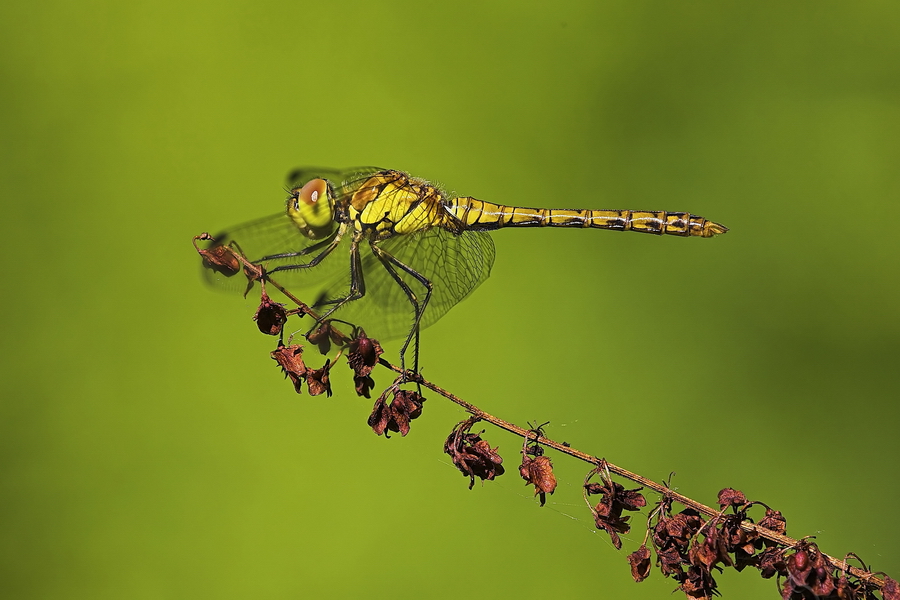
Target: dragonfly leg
[
  {"x": 329, "y": 244},
  {"x": 389, "y": 262},
  {"x": 357, "y": 284}
]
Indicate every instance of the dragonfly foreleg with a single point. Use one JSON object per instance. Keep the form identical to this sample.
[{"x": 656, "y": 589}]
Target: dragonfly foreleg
[{"x": 329, "y": 244}]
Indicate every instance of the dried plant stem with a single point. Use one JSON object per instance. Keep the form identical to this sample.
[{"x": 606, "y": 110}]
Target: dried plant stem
[
  {"x": 661, "y": 489},
  {"x": 676, "y": 538}
]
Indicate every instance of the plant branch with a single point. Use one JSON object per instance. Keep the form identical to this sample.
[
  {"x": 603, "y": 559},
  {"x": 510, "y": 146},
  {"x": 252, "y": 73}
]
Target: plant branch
[
  {"x": 661, "y": 489},
  {"x": 675, "y": 537}
]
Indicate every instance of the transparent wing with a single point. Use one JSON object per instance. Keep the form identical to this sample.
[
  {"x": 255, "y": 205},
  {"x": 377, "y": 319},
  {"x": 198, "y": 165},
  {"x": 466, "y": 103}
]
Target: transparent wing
[{"x": 455, "y": 263}]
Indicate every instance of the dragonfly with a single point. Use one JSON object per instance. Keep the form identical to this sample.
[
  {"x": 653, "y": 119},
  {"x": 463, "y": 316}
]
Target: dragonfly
[{"x": 382, "y": 249}]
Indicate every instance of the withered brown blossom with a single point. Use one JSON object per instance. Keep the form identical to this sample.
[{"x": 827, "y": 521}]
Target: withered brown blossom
[
  {"x": 698, "y": 583},
  {"x": 672, "y": 537},
  {"x": 678, "y": 545},
  {"x": 611, "y": 522},
  {"x": 670, "y": 561},
  {"x": 744, "y": 544},
  {"x": 731, "y": 497},
  {"x": 809, "y": 572},
  {"x": 317, "y": 380},
  {"x": 363, "y": 353},
  {"x": 472, "y": 455},
  {"x": 326, "y": 334},
  {"x": 712, "y": 551},
  {"x": 405, "y": 405},
  {"x": 608, "y": 512},
  {"x": 363, "y": 385},
  {"x": 537, "y": 469},
  {"x": 774, "y": 521},
  {"x": 289, "y": 358},
  {"x": 221, "y": 259},
  {"x": 640, "y": 563},
  {"x": 270, "y": 316},
  {"x": 770, "y": 562},
  {"x": 362, "y": 356},
  {"x": 735, "y": 537}
]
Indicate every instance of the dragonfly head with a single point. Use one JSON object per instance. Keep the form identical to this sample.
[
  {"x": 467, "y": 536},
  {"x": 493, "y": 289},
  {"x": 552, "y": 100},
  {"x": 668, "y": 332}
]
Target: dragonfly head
[{"x": 311, "y": 207}]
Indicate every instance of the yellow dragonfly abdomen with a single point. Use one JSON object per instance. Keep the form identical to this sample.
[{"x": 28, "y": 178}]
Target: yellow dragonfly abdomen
[{"x": 478, "y": 214}]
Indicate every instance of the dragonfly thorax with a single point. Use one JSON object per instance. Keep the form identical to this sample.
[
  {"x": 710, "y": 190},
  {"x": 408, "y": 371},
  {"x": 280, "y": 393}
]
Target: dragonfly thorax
[{"x": 392, "y": 203}]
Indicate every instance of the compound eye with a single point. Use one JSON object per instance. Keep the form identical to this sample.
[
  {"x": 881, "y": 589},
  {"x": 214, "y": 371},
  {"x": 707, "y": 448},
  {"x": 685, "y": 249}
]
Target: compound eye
[{"x": 312, "y": 191}]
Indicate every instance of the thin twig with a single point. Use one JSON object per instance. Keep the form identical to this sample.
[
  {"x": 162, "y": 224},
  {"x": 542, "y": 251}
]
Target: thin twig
[{"x": 662, "y": 489}]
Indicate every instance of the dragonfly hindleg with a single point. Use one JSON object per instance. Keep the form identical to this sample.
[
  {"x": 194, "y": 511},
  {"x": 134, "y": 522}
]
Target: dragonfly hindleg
[{"x": 389, "y": 262}]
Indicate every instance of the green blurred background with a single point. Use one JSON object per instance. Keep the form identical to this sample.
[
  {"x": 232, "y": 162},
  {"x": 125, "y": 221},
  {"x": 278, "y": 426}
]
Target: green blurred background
[{"x": 149, "y": 446}]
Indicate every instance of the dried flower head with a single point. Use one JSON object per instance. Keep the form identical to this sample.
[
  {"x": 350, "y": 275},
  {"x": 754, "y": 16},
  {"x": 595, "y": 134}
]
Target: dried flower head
[
  {"x": 891, "y": 590},
  {"x": 318, "y": 380},
  {"x": 289, "y": 358},
  {"x": 809, "y": 572},
  {"x": 698, "y": 583},
  {"x": 538, "y": 472},
  {"x": 640, "y": 563},
  {"x": 672, "y": 536},
  {"x": 710, "y": 552},
  {"x": 363, "y": 385},
  {"x": 326, "y": 334},
  {"x": 536, "y": 469},
  {"x": 472, "y": 455},
  {"x": 771, "y": 562},
  {"x": 405, "y": 405},
  {"x": 270, "y": 316},
  {"x": 774, "y": 521},
  {"x": 608, "y": 512},
  {"x": 363, "y": 353},
  {"x": 735, "y": 537},
  {"x": 221, "y": 259},
  {"x": 731, "y": 497}
]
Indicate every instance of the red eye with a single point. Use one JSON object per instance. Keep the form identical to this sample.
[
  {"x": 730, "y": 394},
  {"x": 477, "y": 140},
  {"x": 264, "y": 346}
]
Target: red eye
[{"x": 312, "y": 191}]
